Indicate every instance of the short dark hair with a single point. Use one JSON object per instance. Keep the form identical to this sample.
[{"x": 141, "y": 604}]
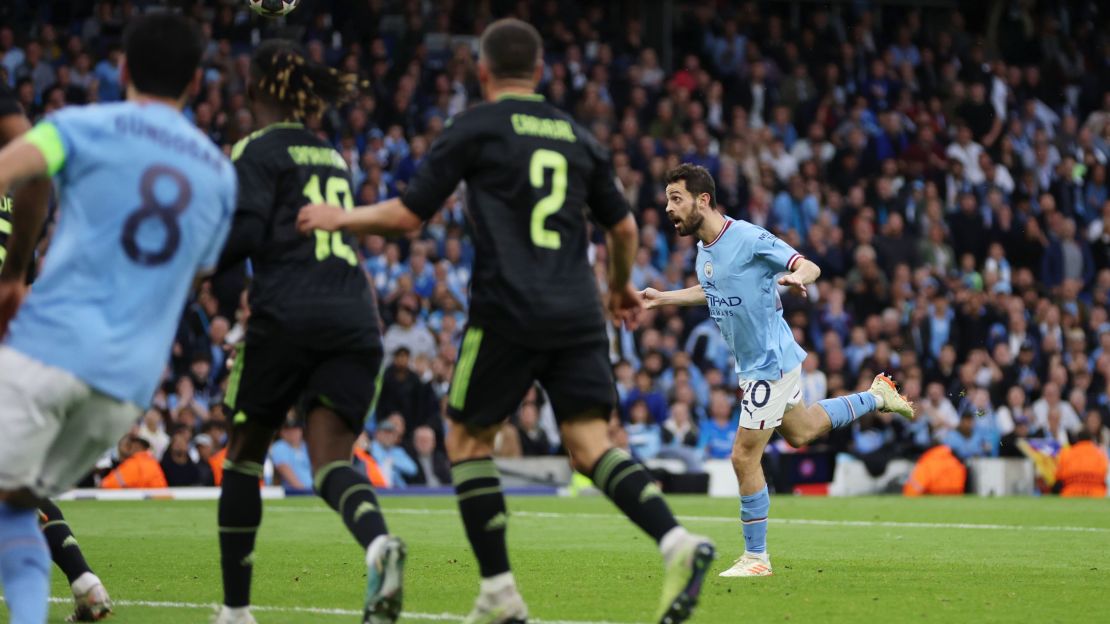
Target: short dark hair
[
  {"x": 697, "y": 179},
  {"x": 511, "y": 48},
  {"x": 163, "y": 53}
]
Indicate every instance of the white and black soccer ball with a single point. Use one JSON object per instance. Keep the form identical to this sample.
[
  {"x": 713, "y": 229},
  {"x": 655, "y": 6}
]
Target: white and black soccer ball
[{"x": 273, "y": 8}]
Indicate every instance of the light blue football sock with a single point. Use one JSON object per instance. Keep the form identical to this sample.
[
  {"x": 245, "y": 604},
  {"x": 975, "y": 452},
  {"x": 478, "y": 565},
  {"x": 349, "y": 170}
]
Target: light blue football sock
[
  {"x": 753, "y": 519},
  {"x": 843, "y": 410},
  {"x": 24, "y": 565}
]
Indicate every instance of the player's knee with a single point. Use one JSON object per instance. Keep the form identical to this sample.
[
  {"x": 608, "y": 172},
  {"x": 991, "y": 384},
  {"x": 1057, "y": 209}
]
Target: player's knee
[{"x": 745, "y": 460}]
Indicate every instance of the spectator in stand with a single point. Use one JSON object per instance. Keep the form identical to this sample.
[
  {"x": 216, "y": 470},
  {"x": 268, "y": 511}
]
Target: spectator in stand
[
  {"x": 289, "y": 455},
  {"x": 938, "y": 473},
  {"x": 938, "y": 410},
  {"x": 1050, "y": 400},
  {"x": 152, "y": 428},
  {"x": 1099, "y": 432},
  {"x": 185, "y": 399},
  {"x": 404, "y": 392},
  {"x": 423, "y": 275},
  {"x": 795, "y": 210},
  {"x": 205, "y": 449},
  {"x": 645, "y": 390},
  {"x": 1081, "y": 469},
  {"x": 718, "y": 434},
  {"x": 178, "y": 467},
  {"x": 644, "y": 435},
  {"x": 137, "y": 467},
  {"x": 409, "y": 334},
  {"x": 1010, "y": 445},
  {"x": 390, "y": 456},
  {"x": 1015, "y": 408},
  {"x": 680, "y": 430},
  {"x": 433, "y": 469},
  {"x": 965, "y": 440},
  {"x": 533, "y": 439}
]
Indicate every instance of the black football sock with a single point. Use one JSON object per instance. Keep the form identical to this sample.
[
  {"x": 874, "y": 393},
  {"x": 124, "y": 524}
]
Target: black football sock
[
  {"x": 482, "y": 506},
  {"x": 630, "y": 486},
  {"x": 348, "y": 492},
  {"x": 240, "y": 513},
  {"x": 63, "y": 546}
]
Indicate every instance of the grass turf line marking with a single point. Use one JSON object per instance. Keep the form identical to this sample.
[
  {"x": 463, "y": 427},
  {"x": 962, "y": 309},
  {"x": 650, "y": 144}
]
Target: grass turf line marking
[
  {"x": 892, "y": 524},
  {"x": 440, "y": 617}
]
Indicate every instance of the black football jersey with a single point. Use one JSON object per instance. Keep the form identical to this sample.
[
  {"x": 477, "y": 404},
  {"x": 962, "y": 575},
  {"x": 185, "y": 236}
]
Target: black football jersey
[
  {"x": 308, "y": 284},
  {"x": 532, "y": 177}
]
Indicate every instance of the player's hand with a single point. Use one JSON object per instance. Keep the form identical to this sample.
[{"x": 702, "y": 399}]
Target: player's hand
[
  {"x": 319, "y": 217},
  {"x": 625, "y": 305},
  {"x": 12, "y": 293},
  {"x": 795, "y": 283},
  {"x": 651, "y": 297}
]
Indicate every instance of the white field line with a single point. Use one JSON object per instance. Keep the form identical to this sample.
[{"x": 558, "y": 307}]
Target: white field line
[
  {"x": 891, "y": 524},
  {"x": 433, "y": 617}
]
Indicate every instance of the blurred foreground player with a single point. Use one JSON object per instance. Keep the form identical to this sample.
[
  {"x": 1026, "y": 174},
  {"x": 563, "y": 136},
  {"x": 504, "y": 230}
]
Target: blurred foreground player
[
  {"x": 146, "y": 202},
  {"x": 89, "y": 595}
]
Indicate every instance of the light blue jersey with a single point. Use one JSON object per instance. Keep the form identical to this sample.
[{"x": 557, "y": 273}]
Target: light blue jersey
[
  {"x": 737, "y": 272},
  {"x": 146, "y": 202}
]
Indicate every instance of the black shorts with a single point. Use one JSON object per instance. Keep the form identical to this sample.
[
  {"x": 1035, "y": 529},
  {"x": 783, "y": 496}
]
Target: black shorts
[
  {"x": 274, "y": 372},
  {"x": 493, "y": 374}
]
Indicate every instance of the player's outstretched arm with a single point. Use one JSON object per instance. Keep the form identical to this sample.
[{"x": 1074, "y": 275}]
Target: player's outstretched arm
[
  {"x": 805, "y": 273},
  {"x": 624, "y": 302},
  {"x": 387, "y": 218},
  {"x": 691, "y": 296}
]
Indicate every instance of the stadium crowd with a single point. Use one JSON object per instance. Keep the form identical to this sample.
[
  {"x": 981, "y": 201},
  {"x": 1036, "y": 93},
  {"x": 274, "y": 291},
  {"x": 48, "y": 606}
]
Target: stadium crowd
[{"x": 947, "y": 169}]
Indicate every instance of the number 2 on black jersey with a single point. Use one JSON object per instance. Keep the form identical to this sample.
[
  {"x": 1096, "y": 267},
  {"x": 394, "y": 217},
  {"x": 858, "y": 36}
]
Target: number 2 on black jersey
[
  {"x": 331, "y": 243},
  {"x": 542, "y": 160}
]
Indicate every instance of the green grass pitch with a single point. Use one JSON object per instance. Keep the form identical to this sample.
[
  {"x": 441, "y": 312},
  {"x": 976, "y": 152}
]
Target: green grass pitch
[{"x": 577, "y": 560}]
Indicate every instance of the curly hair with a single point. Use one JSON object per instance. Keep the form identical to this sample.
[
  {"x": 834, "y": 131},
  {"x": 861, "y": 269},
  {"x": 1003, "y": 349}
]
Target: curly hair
[{"x": 282, "y": 75}]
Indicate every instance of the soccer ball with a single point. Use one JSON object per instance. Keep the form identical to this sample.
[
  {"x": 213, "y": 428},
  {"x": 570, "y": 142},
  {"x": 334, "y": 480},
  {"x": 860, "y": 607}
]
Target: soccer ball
[{"x": 273, "y": 8}]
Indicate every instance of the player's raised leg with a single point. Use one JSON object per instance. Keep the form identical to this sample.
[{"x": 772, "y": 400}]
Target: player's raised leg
[
  {"x": 804, "y": 424},
  {"x": 91, "y": 601}
]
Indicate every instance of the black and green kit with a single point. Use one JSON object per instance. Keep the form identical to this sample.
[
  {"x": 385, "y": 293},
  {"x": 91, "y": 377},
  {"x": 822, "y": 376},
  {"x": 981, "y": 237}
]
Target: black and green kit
[
  {"x": 534, "y": 178},
  {"x": 314, "y": 333}
]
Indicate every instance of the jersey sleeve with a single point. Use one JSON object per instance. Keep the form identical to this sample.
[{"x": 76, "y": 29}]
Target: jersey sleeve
[
  {"x": 773, "y": 251},
  {"x": 253, "y": 207},
  {"x": 605, "y": 200},
  {"x": 48, "y": 138},
  {"x": 441, "y": 171},
  {"x": 69, "y": 135}
]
